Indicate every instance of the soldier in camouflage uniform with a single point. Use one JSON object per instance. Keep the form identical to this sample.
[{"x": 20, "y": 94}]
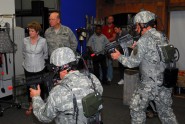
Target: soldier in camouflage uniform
[
  {"x": 59, "y": 35},
  {"x": 146, "y": 56},
  {"x": 73, "y": 84}
]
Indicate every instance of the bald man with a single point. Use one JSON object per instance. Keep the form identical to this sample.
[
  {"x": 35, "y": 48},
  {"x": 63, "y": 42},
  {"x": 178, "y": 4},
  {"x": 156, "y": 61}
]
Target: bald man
[{"x": 58, "y": 35}]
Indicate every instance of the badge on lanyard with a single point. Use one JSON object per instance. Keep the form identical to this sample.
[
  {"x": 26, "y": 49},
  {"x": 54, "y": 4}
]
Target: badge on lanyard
[{"x": 109, "y": 30}]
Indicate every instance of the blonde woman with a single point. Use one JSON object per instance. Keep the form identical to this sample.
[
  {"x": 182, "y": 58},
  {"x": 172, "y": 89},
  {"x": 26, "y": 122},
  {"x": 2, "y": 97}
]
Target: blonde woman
[{"x": 35, "y": 52}]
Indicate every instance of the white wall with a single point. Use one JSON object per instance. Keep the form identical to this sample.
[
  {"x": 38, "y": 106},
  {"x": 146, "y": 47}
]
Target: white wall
[
  {"x": 19, "y": 36},
  {"x": 177, "y": 35},
  {"x": 7, "y": 7}
]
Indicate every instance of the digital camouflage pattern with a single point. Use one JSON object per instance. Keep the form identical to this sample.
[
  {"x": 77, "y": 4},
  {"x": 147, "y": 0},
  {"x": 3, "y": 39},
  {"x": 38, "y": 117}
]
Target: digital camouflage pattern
[
  {"x": 59, "y": 105},
  {"x": 144, "y": 17},
  {"x": 65, "y": 54},
  {"x": 63, "y": 38},
  {"x": 149, "y": 88}
]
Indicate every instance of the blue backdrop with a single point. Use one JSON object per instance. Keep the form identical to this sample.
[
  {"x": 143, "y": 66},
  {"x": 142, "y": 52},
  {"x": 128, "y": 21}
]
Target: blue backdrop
[{"x": 73, "y": 14}]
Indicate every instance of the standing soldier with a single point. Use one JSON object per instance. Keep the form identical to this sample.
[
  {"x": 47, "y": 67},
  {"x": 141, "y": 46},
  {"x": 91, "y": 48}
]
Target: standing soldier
[{"x": 146, "y": 56}]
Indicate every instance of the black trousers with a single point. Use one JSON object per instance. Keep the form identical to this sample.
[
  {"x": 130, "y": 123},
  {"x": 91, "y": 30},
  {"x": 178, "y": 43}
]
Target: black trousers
[
  {"x": 44, "y": 89},
  {"x": 100, "y": 60},
  {"x": 121, "y": 70},
  {"x": 121, "y": 67}
]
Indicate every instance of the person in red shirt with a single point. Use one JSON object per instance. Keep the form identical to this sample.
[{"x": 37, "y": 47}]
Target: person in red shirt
[{"x": 108, "y": 31}]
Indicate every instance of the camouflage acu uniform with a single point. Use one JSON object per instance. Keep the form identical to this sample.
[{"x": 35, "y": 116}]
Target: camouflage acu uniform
[
  {"x": 145, "y": 56},
  {"x": 59, "y": 105},
  {"x": 64, "y": 37}
]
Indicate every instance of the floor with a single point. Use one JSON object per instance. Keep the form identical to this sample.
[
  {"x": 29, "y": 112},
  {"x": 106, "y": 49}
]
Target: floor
[{"x": 114, "y": 111}]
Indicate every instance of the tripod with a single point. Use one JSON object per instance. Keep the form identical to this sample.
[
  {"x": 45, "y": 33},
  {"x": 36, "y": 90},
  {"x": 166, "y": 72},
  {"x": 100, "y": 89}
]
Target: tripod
[{"x": 11, "y": 103}]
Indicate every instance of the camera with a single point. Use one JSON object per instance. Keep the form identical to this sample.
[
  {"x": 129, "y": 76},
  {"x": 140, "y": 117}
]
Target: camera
[{"x": 81, "y": 33}]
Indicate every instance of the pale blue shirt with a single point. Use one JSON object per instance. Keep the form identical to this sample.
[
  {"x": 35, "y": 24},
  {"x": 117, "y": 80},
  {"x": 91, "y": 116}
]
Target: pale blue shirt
[
  {"x": 98, "y": 43},
  {"x": 34, "y": 55}
]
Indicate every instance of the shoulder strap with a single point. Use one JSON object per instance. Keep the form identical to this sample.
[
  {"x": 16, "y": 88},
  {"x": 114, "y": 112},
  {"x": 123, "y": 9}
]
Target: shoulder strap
[{"x": 75, "y": 105}]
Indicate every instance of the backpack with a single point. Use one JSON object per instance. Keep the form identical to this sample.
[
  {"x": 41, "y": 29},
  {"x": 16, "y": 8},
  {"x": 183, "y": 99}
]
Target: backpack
[{"x": 169, "y": 55}]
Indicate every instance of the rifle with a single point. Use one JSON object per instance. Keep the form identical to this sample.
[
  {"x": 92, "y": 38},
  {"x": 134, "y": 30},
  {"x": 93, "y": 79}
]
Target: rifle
[
  {"x": 110, "y": 47},
  {"x": 49, "y": 79}
]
